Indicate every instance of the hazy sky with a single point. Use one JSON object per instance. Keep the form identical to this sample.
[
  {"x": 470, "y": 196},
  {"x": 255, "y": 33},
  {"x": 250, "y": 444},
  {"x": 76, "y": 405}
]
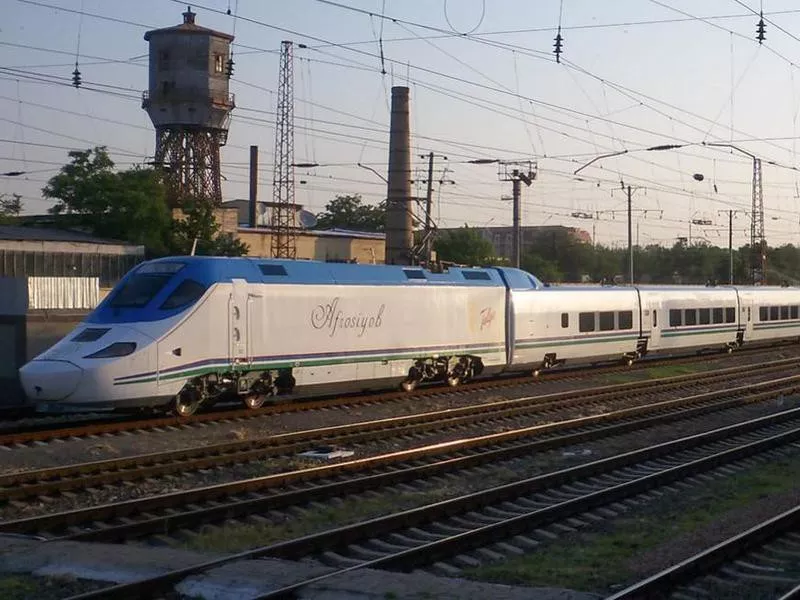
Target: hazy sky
[{"x": 484, "y": 84}]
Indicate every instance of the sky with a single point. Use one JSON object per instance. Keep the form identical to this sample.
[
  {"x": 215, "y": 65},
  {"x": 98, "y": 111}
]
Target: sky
[{"x": 484, "y": 84}]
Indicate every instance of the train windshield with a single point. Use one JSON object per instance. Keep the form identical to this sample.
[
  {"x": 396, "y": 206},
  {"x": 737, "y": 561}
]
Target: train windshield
[{"x": 144, "y": 284}]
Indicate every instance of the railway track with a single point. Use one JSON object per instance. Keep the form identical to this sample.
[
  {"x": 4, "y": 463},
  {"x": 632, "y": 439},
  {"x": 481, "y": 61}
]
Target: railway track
[
  {"x": 762, "y": 562},
  {"x": 614, "y": 403},
  {"x": 508, "y": 520},
  {"x": 43, "y": 430}
]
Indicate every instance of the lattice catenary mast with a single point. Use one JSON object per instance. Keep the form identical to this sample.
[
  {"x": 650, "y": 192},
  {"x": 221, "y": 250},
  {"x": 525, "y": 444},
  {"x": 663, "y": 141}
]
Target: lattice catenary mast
[
  {"x": 758, "y": 245},
  {"x": 284, "y": 239}
]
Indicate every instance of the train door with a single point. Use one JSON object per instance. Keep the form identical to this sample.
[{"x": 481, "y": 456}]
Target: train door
[
  {"x": 255, "y": 327},
  {"x": 238, "y": 314},
  {"x": 746, "y": 316},
  {"x": 652, "y": 318}
]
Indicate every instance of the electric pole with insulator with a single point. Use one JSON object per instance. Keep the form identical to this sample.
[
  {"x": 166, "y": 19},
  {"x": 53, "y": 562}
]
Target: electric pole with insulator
[{"x": 284, "y": 239}]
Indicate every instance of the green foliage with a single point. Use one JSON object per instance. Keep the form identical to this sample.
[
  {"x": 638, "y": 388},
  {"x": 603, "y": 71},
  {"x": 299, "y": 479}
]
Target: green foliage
[
  {"x": 199, "y": 223},
  {"x": 132, "y": 206},
  {"x": 127, "y": 205},
  {"x": 348, "y": 212},
  {"x": 465, "y": 246},
  {"x": 10, "y": 207}
]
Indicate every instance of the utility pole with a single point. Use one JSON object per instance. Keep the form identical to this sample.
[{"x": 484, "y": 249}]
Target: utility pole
[
  {"x": 630, "y": 244},
  {"x": 427, "y": 241},
  {"x": 510, "y": 171},
  {"x": 731, "y": 214}
]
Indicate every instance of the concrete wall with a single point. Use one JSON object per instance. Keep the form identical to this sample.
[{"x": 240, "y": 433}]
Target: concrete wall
[
  {"x": 318, "y": 246},
  {"x": 13, "y": 307}
]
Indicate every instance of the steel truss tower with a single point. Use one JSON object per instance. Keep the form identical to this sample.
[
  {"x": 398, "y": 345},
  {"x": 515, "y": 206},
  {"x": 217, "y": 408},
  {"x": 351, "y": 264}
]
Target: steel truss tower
[
  {"x": 191, "y": 163},
  {"x": 284, "y": 238}
]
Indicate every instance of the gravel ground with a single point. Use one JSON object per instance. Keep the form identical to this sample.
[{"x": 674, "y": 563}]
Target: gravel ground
[{"x": 63, "y": 452}]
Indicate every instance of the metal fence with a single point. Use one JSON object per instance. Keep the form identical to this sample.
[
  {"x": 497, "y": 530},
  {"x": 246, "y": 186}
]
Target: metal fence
[
  {"x": 51, "y": 293},
  {"x": 108, "y": 268}
]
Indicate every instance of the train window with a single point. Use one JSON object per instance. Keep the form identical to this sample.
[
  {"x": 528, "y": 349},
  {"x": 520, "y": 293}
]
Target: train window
[
  {"x": 705, "y": 316},
  {"x": 475, "y": 275},
  {"x": 690, "y": 316},
  {"x": 784, "y": 313},
  {"x": 564, "y": 320},
  {"x": 749, "y": 314},
  {"x": 586, "y": 321},
  {"x": 137, "y": 291},
  {"x": 625, "y": 319},
  {"x": 793, "y": 310},
  {"x": 773, "y": 313},
  {"x": 675, "y": 318},
  {"x": 763, "y": 313},
  {"x": 414, "y": 273},
  {"x": 606, "y": 321},
  {"x": 730, "y": 315},
  {"x": 274, "y": 270},
  {"x": 655, "y": 318},
  {"x": 716, "y": 315},
  {"x": 187, "y": 293},
  {"x": 91, "y": 334}
]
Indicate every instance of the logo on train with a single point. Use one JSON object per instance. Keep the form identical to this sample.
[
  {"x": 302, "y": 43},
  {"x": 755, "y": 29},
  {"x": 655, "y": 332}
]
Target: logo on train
[
  {"x": 487, "y": 316},
  {"x": 330, "y": 318}
]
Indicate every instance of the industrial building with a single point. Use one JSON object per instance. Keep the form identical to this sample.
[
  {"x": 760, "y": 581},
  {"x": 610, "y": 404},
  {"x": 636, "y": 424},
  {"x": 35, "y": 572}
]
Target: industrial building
[{"x": 40, "y": 252}]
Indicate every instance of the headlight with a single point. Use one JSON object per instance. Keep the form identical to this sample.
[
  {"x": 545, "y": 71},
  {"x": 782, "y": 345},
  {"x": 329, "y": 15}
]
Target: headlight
[{"x": 114, "y": 350}]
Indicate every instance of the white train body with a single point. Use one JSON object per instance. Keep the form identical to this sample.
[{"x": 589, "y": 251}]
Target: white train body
[{"x": 187, "y": 330}]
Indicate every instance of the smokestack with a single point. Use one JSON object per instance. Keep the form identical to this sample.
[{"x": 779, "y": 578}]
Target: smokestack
[
  {"x": 399, "y": 234},
  {"x": 253, "y": 185}
]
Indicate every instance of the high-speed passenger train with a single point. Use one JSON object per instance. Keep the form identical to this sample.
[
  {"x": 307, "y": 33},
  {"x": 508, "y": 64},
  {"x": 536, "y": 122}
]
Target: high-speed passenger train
[{"x": 180, "y": 332}]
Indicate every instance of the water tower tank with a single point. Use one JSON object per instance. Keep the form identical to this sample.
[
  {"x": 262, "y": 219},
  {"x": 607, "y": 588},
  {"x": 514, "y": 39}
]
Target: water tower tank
[{"x": 189, "y": 103}]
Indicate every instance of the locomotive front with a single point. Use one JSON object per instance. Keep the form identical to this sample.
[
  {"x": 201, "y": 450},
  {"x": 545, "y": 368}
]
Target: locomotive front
[{"x": 87, "y": 369}]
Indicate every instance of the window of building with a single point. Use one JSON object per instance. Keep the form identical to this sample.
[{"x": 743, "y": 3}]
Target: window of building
[
  {"x": 705, "y": 316},
  {"x": 219, "y": 63},
  {"x": 625, "y": 319},
  {"x": 586, "y": 321},
  {"x": 564, "y": 320},
  {"x": 606, "y": 321},
  {"x": 690, "y": 316},
  {"x": 675, "y": 317},
  {"x": 717, "y": 315}
]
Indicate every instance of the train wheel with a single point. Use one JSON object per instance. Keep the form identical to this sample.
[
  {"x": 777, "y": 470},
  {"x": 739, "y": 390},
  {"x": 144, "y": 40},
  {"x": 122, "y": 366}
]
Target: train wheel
[
  {"x": 186, "y": 403},
  {"x": 453, "y": 380},
  {"x": 628, "y": 361},
  {"x": 254, "y": 401},
  {"x": 409, "y": 385}
]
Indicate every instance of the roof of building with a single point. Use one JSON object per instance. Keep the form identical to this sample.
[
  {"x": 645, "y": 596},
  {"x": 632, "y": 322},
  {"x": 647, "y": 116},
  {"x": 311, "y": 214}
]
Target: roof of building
[
  {"x": 41, "y": 234},
  {"x": 188, "y": 26},
  {"x": 343, "y": 233}
]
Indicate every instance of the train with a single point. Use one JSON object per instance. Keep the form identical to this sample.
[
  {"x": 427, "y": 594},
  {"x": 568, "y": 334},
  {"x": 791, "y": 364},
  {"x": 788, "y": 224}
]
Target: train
[{"x": 178, "y": 333}]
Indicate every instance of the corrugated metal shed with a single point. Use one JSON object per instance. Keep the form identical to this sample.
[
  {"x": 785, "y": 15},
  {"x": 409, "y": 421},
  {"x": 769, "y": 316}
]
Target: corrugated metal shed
[{"x": 52, "y": 293}]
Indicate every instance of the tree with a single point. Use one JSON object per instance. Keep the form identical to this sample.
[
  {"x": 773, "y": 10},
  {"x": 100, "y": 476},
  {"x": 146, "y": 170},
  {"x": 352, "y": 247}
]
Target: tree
[
  {"x": 464, "y": 246},
  {"x": 347, "y": 212},
  {"x": 199, "y": 223},
  {"x": 10, "y": 207},
  {"x": 128, "y": 205}
]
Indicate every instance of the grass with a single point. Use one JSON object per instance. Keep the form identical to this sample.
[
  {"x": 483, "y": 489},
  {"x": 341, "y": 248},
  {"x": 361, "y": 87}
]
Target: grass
[
  {"x": 352, "y": 510},
  {"x": 594, "y": 560},
  {"x": 15, "y": 587}
]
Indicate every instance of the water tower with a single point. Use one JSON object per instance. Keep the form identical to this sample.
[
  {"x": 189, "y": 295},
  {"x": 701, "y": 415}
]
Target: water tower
[{"x": 190, "y": 105}]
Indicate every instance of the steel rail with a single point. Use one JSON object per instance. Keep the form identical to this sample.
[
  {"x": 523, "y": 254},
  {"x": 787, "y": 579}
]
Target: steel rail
[
  {"x": 36, "y": 434},
  {"x": 712, "y": 558},
  {"x": 430, "y": 552},
  {"x": 709, "y": 401},
  {"x": 58, "y": 479}
]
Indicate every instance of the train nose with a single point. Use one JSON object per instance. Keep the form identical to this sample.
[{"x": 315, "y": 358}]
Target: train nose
[{"x": 49, "y": 379}]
